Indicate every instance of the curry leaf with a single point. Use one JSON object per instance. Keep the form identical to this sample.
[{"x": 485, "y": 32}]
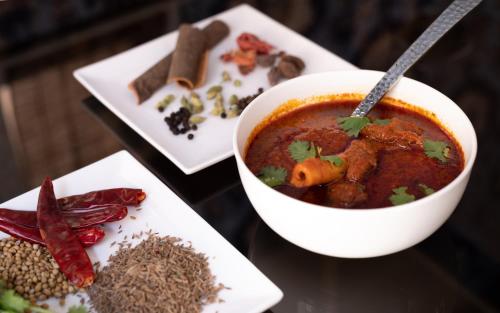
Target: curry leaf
[
  {"x": 335, "y": 160},
  {"x": 426, "y": 189},
  {"x": 272, "y": 176},
  {"x": 436, "y": 149},
  {"x": 400, "y": 196},
  {"x": 352, "y": 125},
  {"x": 301, "y": 150},
  {"x": 382, "y": 122}
]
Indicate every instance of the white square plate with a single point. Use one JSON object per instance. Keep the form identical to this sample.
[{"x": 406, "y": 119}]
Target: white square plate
[
  {"x": 107, "y": 80},
  {"x": 165, "y": 213}
]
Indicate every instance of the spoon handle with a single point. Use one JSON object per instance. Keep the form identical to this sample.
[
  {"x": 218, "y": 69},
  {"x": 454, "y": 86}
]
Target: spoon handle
[{"x": 453, "y": 13}]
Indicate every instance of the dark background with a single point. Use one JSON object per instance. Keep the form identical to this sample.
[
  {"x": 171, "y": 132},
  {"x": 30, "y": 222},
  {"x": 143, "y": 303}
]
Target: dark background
[{"x": 45, "y": 131}]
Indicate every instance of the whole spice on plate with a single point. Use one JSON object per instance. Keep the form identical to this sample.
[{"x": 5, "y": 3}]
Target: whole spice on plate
[
  {"x": 185, "y": 103},
  {"x": 218, "y": 108},
  {"x": 273, "y": 76},
  {"x": 233, "y": 99},
  {"x": 31, "y": 271},
  {"x": 92, "y": 199},
  {"x": 197, "y": 119},
  {"x": 225, "y": 76},
  {"x": 87, "y": 236},
  {"x": 165, "y": 102},
  {"x": 233, "y": 111},
  {"x": 178, "y": 121},
  {"x": 144, "y": 86},
  {"x": 241, "y": 58},
  {"x": 288, "y": 69},
  {"x": 156, "y": 76},
  {"x": 248, "y": 41},
  {"x": 243, "y": 102},
  {"x": 62, "y": 243},
  {"x": 266, "y": 60},
  {"x": 289, "y": 66},
  {"x": 196, "y": 104},
  {"x": 245, "y": 69},
  {"x": 250, "y": 47},
  {"x": 76, "y": 219},
  {"x": 237, "y": 83},
  {"x": 213, "y": 91},
  {"x": 158, "y": 275},
  {"x": 296, "y": 61},
  {"x": 189, "y": 61}
]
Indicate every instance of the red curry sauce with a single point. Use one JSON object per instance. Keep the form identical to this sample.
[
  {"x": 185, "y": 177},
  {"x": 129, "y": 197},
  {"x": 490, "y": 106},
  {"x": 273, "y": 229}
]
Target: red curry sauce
[{"x": 395, "y": 167}]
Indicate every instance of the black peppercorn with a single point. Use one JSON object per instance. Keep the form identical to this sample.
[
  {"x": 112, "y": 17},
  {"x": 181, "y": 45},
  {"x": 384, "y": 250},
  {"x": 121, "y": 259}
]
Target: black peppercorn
[
  {"x": 190, "y": 136},
  {"x": 243, "y": 102},
  {"x": 178, "y": 121}
]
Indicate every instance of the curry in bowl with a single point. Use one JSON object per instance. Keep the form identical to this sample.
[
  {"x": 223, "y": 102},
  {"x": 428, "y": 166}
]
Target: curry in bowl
[{"x": 318, "y": 154}]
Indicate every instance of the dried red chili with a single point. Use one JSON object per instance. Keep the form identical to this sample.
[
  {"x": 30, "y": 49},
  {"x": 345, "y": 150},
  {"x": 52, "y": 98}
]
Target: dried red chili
[
  {"x": 247, "y": 41},
  {"x": 122, "y": 196},
  {"x": 244, "y": 70},
  {"x": 90, "y": 236},
  {"x": 250, "y": 48},
  {"x": 101, "y": 215},
  {"x": 87, "y": 236},
  {"x": 227, "y": 57},
  {"x": 75, "y": 218},
  {"x": 22, "y": 232},
  {"x": 241, "y": 58},
  {"x": 62, "y": 243},
  {"x": 22, "y": 218}
]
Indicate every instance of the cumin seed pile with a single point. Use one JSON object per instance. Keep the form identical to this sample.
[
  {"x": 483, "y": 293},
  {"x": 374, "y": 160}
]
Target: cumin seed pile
[{"x": 158, "y": 275}]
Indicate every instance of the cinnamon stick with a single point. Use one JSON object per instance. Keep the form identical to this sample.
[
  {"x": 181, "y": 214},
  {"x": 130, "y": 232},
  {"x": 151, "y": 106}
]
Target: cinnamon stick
[{"x": 144, "y": 86}]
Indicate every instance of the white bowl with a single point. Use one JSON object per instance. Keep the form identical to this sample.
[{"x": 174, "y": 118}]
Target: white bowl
[{"x": 354, "y": 233}]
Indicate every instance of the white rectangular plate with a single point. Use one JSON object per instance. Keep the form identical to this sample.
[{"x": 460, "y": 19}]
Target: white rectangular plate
[
  {"x": 107, "y": 80},
  {"x": 167, "y": 214}
]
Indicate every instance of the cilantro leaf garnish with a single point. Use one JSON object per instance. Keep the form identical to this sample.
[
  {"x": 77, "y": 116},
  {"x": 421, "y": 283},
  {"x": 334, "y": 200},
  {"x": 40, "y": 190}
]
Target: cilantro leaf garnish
[
  {"x": 426, "y": 189},
  {"x": 400, "y": 196},
  {"x": 272, "y": 176},
  {"x": 382, "y": 122},
  {"x": 352, "y": 125},
  {"x": 335, "y": 160},
  {"x": 436, "y": 149},
  {"x": 301, "y": 150}
]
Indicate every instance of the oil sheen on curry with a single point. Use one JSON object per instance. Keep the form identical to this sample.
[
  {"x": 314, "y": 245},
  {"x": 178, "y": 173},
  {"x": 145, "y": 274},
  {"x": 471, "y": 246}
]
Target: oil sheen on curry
[{"x": 316, "y": 153}]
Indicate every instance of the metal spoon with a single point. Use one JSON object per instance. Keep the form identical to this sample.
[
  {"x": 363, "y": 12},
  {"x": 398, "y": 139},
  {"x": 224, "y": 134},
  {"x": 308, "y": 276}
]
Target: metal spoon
[{"x": 453, "y": 13}]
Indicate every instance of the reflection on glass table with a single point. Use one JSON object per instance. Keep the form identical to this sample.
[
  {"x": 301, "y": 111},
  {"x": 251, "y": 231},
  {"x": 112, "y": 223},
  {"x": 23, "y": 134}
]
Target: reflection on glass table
[{"x": 408, "y": 281}]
